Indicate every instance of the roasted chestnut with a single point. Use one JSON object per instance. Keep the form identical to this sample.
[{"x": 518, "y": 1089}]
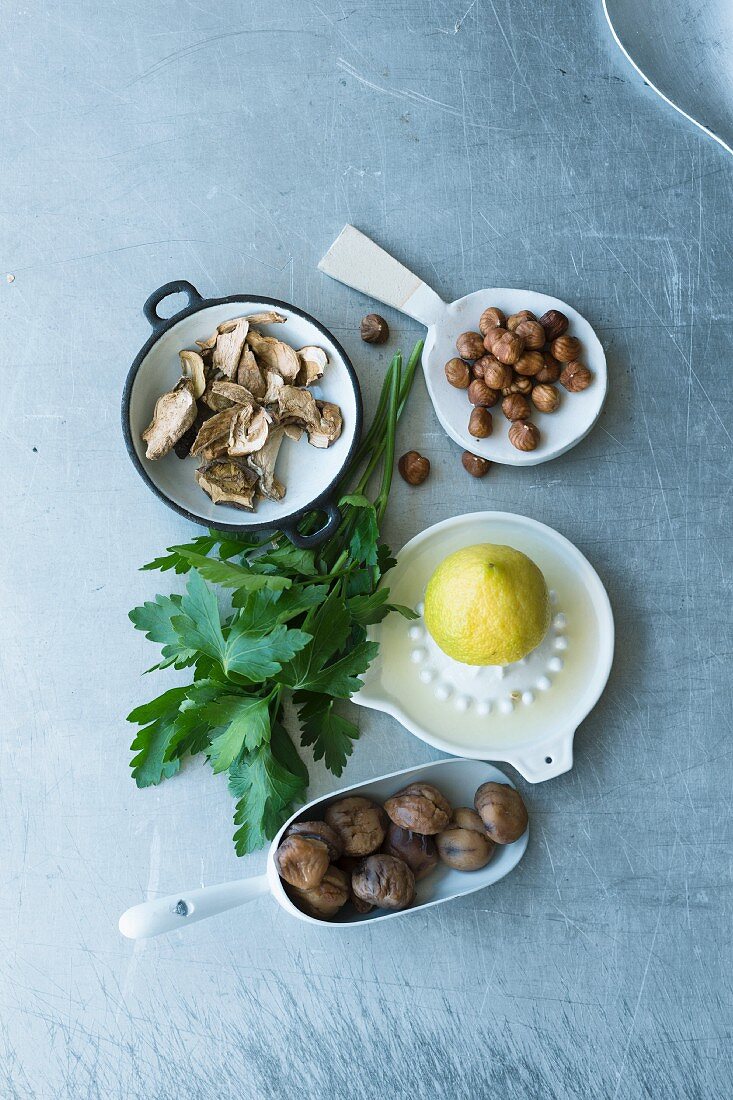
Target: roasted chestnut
[
  {"x": 502, "y": 811},
  {"x": 360, "y": 824},
  {"x": 384, "y": 881},
  {"x": 414, "y": 849},
  {"x": 465, "y": 844},
  {"x": 319, "y": 830},
  {"x": 420, "y": 807},
  {"x": 301, "y": 861},
  {"x": 325, "y": 899}
]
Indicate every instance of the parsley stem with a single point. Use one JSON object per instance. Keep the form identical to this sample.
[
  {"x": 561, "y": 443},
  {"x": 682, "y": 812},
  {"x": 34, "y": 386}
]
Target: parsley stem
[{"x": 393, "y": 413}]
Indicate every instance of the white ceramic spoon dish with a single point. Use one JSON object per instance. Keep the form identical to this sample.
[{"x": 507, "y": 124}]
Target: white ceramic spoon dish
[
  {"x": 356, "y": 260},
  {"x": 525, "y": 714},
  {"x": 457, "y": 779}
]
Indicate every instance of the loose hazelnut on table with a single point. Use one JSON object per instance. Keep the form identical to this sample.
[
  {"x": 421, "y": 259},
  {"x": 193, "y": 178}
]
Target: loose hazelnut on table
[
  {"x": 327, "y": 898},
  {"x": 508, "y": 348},
  {"x": 384, "y": 881},
  {"x": 554, "y": 323},
  {"x": 491, "y": 318},
  {"x": 458, "y": 373},
  {"x": 551, "y": 369},
  {"x": 502, "y": 811},
  {"x": 546, "y": 398},
  {"x": 481, "y": 394},
  {"x": 319, "y": 830},
  {"x": 414, "y": 849},
  {"x": 419, "y": 807},
  {"x": 516, "y": 407},
  {"x": 480, "y": 424},
  {"x": 524, "y": 435},
  {"x": 575, "y": 377},
  {"x": 374, "y": 329},
  {"x": 565, "y": 348},
  {"x": 414, "y": 467},
  {"x": 465, "y": 844},
  {"x": 532, "y": 333},
  {"x": 360, "y": 823},
  {"x": 474, "y": 464},
  {"x": 529, "y": 364},
  {"x": 302, "y": 862},
  {"x": 470, "y": 345},
  {"x": 496, "y": 374}
]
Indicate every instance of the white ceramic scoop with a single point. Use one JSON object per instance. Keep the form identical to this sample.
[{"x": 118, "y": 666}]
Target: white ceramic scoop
[
  {"x": 356, "y": 260},
  {"x": 457, "y": 779}
]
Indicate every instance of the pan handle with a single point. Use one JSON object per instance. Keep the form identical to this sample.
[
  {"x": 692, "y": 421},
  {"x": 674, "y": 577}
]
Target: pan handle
[
  {"x": 178, "y": 286},
  {"x": 306, "y": 542},
  {"x": 356, "y": 260},
  {"x": 170, "y": 914}
]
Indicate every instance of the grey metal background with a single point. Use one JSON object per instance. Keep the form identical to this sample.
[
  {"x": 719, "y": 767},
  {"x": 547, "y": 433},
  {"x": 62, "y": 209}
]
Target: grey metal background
[{"x": 496, "y": 141}]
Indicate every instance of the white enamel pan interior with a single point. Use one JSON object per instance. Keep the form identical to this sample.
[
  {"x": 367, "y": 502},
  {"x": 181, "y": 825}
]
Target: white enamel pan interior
[
  {"x": 457, "y": 779},
  {"x": 310, "y": 474},
  {"x": 356, "y": 260},
  {"x": 525, "y": 714}
]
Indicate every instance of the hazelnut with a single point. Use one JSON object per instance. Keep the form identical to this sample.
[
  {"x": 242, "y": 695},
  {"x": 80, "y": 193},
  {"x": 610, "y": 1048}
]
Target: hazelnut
[
  {"x": 492, "y": 336},
  {"x": 508, "y": 348},
  {"x": 496, "y": 374},
  {"x": 532, "y": 332},
  {"x": 360, "y": 823},
  {"x": 319, "y": 830},
  {"x": 524, "y": 435},
  {"x": 566, "y": 348},
  {"x": 384, "y": 881},
  {"x": 550, "y": 371},
  {"x": 520, "y": 385},
  {"x": 477, "y": 368},
  {"x": 481, "y": 394},
  {"x": 302, "y": 862},
  {"x": 480, "y": 423},
  {"x": 491, "y": 318},
  {"x": 516, "y": 407},
  {"x": 374, "y": 329},
  {"x": 575, "y": 377},
  {"x": 529, "y": 364},
  {"x": 414, "y": 849},
  {"x": 325, "y": 899},
  {"x": 470, "y": 345},
  {"x": 517, "y": 318},
  {"x": 545, "y": 398},
  {"x": 502, "y": 811},
  {"x": 458, "y": 373},
  {"x": 414, "y": 467},
  {"x": 474, "y": 464},
  {"x": 419, "y": 807},
  {"x": 554, "y": 323},
  {"x": 465, "y": 844}
]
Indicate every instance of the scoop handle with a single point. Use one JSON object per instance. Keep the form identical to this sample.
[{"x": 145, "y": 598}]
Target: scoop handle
[
  {"x": 172, "y": 913},
  {"x": 354, "y": 259}
]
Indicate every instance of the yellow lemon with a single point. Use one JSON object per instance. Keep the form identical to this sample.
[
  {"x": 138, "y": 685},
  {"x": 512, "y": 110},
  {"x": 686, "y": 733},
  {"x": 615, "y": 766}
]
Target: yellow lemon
[{"x": 487, "y": 605}]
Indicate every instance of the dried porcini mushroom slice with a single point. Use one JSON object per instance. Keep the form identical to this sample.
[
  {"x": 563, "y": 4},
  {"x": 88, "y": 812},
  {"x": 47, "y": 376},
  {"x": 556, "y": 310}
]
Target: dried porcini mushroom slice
[
  {"x": 263, "y": 463},
  {"x": 269, "y": 317},
  {"x": 294, "y": 432},
  {"x": 274, "y": 354},
  {"x": 249, "y": 374},
  {"x": 231, "y": 392},
  {"x": 228, "y": 482},
  {"x": 330, "y": 425},
  {"x": 274, "y": 382},
  {"x": 173, "y": 415},
  {"x": 209, "y": 343},
  {"x": 299, "y": 407},
  {"x": 229, "y": 344},
  {"x": 213, "y": 429},
  {"x": 248, "y": 430},
  {"x": 192, "y": 366},
  {"x": 313, "y": 362}
]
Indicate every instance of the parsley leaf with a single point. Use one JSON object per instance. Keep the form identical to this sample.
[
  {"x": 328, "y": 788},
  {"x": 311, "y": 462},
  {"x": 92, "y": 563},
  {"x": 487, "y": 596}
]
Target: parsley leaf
[
  {"x": 199, "y": 624},
  {"x": 247, "y": 721},
  {"x": 329, "y": 733},
  {"x": 329, "y": 626},
  {"x": 257, "y": 656},
  {"x": 341, "y": 679},
  {"x": 234, "y": 576},
  {"x": 267, "y": 782},
  {"x": 154, "y": 617},
  {"x": 151, "y": 742},
  {"x": 268, "y": 607}
]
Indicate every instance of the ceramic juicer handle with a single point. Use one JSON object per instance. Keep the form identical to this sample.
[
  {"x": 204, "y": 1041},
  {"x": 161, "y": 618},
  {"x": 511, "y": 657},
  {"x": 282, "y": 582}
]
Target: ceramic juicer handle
[
  {"x": 356, "y": 260},
  {"x": 150, "y": 918}
]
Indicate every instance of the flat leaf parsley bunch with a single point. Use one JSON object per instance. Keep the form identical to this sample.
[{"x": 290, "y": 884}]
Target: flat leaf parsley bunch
[{"x": 296, "y": 624}]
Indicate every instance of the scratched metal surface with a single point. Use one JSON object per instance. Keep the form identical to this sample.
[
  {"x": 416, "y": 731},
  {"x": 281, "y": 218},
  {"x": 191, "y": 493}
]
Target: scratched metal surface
[{"x": 503, "y": 142}]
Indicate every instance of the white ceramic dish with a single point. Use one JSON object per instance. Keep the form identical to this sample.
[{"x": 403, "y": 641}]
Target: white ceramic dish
[
  {"x": 356, "y": 260},
  {"x": 310, "y": 474},
  {"x": 457, "y": 779},
  {"x": 526, "y": 716}
]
